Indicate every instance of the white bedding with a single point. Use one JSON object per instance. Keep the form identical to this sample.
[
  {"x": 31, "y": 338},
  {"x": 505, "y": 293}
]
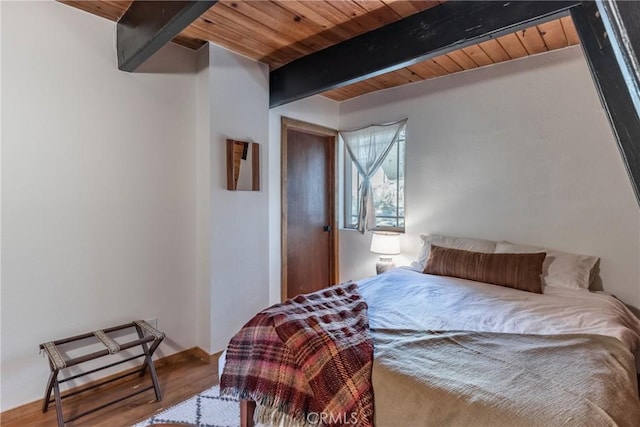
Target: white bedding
[
  {"x": 587, "y": 385},
  {"x": 403, "y": 298},
  {"x": 406, "y": 299}
]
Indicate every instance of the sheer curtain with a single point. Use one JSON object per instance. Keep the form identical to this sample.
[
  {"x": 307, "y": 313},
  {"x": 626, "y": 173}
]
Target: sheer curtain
[{"x": 368, "y": 147}]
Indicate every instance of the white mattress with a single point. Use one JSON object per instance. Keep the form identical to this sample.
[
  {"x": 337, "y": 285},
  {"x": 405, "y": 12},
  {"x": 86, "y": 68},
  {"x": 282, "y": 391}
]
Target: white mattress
[{"x": 404, "y": 298}]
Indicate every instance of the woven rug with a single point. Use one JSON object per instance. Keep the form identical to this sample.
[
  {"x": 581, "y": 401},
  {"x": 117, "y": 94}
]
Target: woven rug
[{"x": 206, "y": 409}]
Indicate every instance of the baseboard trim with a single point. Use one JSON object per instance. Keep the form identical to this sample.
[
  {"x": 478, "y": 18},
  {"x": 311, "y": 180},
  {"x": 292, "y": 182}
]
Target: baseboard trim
[
  {"x": 173, "y": 359},
  {"x": 213, "y": 358}
]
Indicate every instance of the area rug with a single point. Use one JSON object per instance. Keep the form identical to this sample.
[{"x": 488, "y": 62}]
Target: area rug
[{"x": 206, "y": 409}]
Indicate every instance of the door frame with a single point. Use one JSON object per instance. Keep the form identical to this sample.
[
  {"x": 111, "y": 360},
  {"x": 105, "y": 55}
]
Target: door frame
[{"x": 310, "y": 128}]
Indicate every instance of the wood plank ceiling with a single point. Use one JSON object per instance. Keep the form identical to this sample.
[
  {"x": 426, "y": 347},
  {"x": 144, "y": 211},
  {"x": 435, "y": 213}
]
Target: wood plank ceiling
[{"x": 280, "y": 31}]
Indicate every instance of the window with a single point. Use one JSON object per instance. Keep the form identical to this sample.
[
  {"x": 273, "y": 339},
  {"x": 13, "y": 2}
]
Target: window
[{"x": 388, "y": 190}]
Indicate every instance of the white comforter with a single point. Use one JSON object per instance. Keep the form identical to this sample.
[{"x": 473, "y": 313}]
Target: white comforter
[
  {"x": 598, "y": 389},
  {"x": 406, "y": 299}
]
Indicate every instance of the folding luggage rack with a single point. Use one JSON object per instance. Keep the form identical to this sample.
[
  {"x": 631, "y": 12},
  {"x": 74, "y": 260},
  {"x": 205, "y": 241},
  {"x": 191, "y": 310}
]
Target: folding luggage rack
[{"x": 146, "y": 334}]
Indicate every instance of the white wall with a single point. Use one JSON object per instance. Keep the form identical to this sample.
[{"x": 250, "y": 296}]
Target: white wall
[
  {"x": 239, "y": 102},
  {"x": 115, "y": 190},
  {"x": 98, "y": 189},
  {"x": 519, "y": 151},
  {"x": 203, "y": 200},
  {"x": 317, "y": 110},
  {"x": 243, "y": 234}
]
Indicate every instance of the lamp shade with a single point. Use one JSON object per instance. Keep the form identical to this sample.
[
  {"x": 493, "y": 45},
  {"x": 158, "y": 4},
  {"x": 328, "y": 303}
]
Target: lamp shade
[{"x": 385, "y": 243}]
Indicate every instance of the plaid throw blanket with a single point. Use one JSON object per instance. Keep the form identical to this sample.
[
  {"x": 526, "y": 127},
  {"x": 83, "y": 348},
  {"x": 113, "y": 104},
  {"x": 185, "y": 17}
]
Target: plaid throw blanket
[{"x": 306, "y": 361}]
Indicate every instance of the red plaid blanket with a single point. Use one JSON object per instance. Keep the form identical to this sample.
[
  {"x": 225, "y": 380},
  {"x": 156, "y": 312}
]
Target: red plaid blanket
[{"x": 306, "y": 361}]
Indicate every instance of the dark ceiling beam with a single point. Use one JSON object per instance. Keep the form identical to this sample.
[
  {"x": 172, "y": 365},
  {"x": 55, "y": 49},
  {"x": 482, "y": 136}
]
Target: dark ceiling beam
[
  {"x": 622, "y": 22},
  {"x": 433, "y": 32},
  {"x": 610, "y": 38},
  {"x": 148, "y": 25}
]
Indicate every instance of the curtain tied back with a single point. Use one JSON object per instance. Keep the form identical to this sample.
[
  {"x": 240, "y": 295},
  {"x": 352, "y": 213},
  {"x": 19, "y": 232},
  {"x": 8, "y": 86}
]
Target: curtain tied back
[{"x": 368, "y": 148}]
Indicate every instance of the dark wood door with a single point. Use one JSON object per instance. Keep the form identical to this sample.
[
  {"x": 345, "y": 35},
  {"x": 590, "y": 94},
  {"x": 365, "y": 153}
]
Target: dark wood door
[{"x": 309, "y": 217}]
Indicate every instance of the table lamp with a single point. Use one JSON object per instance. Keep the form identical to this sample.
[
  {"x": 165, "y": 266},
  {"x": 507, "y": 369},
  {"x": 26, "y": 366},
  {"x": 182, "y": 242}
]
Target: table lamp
[{"x": 384, "y": 243}]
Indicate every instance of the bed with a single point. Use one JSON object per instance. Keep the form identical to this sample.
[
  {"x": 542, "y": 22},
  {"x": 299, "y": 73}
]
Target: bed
[
  {"x": 496, "y": 387},
  {"x": 451, "y": 351}
]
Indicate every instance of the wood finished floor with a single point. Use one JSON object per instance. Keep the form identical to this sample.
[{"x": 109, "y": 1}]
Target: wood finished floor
[{"x": 178, "y": 382}]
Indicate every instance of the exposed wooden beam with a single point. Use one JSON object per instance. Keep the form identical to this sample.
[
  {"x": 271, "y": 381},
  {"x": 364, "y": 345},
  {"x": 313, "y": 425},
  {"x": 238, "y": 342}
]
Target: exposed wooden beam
[
  {"x": 611, "y": 54},
  {"x": 622, "y": 21},
  {"x": 148, "y": 25},
  {"x": 436, "y": 31}
]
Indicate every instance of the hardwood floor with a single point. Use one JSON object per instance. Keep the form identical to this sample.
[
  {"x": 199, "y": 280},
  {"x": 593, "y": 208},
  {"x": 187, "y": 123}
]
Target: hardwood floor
[{"x": 178, "y": 381}]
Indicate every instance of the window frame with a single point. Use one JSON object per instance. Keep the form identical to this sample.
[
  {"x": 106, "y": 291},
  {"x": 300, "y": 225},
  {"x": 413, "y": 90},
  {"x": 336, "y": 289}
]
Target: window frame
[{"x": 348, "y": 181}]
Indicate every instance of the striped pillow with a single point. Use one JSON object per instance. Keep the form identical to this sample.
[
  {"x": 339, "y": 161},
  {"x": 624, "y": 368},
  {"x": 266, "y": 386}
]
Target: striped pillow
[{"x": 518, "y": 271}]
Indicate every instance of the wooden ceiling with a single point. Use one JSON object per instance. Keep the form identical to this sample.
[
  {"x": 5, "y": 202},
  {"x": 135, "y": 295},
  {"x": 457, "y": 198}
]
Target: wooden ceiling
[{"x": 280, "y": 31}]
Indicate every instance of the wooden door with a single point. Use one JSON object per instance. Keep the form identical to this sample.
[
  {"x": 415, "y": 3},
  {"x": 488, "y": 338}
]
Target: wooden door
[{"x": 309, "y": 229}]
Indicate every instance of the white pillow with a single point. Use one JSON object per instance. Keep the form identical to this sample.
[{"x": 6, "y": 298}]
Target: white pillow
[
  {"x": 560, "y": 269},
  {"x": 464, "y": 243}
]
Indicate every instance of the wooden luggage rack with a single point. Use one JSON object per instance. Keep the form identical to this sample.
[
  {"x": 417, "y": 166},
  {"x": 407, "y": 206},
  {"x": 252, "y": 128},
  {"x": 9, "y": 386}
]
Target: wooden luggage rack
[{"x": 146, "y": 334}]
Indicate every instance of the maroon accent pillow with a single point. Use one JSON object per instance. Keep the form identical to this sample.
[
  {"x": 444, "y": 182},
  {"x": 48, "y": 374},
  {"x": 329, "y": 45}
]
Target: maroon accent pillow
[{"x": 518, "y": 271}]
